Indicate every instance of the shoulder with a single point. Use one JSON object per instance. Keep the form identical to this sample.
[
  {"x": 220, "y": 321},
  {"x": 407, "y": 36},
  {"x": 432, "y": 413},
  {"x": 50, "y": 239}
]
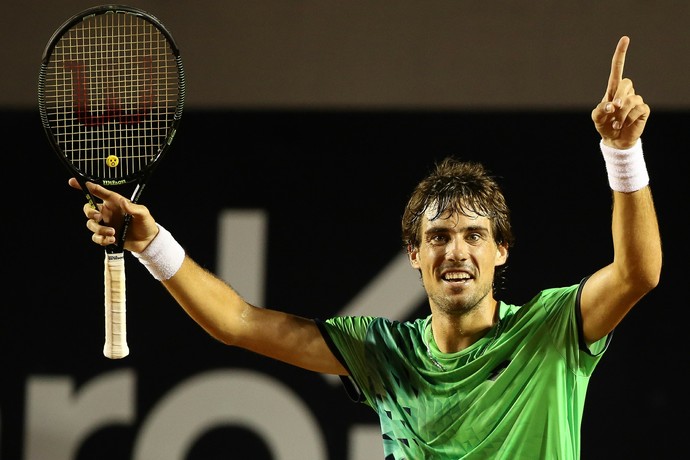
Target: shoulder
[
  {"x": 547, "y": 300},
  {"x": 374, "y": 325}
]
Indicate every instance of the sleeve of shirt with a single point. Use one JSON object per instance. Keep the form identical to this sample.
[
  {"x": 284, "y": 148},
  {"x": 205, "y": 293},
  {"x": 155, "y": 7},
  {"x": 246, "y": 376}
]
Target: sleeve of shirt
[
  {"x": 564, "y": 317},
  {"x": 346, "y": 336}
]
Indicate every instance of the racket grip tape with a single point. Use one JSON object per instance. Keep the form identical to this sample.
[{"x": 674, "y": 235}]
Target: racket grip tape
[{"x": 115, "y": 307}]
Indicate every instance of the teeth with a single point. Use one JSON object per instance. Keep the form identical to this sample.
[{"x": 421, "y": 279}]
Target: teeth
[{"x": 457, "y": 276}]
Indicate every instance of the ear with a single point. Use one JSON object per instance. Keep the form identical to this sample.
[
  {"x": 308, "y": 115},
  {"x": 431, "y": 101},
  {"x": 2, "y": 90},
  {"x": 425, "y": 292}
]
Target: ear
[
  {"x": 501, "y": 254},
  {"x": 413, "y": 255}
]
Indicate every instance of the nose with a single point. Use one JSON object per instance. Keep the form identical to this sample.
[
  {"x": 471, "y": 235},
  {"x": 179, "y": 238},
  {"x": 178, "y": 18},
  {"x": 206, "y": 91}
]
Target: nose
[{"x": 456, "y": 250}]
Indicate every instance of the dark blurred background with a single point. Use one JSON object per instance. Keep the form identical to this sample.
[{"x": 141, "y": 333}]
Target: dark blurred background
[{"x": 319, "y": 117}]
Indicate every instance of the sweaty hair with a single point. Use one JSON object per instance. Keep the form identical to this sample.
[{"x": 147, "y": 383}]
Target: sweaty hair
[{"x": 455, "y": 186}]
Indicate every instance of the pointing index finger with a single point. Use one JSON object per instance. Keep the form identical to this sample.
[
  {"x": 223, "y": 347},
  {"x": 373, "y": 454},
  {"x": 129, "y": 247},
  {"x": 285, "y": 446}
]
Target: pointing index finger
[{"x": 617, "y": 65}]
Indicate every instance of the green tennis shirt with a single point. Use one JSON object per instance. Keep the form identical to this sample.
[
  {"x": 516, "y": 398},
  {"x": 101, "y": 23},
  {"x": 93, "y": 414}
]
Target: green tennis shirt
[{"x": 517, "y": 393}]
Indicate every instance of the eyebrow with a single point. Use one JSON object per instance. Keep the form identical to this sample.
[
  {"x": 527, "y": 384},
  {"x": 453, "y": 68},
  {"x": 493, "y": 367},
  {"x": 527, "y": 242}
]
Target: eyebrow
[{"x": 447, "y": 228}]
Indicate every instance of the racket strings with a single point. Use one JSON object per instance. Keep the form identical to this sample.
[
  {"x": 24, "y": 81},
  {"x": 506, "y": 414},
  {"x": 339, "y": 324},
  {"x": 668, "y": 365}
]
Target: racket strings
[{"x": 111, "y": 94}]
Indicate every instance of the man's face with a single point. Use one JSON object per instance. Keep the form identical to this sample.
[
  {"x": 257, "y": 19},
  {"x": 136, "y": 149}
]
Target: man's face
[{"x": 457, "y": 258}]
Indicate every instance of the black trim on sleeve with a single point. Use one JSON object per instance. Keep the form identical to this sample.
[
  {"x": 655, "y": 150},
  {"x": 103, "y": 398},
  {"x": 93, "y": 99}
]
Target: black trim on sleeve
[
  {"x": 578, "y": 314},
  {"x": 351, "y": 387}
]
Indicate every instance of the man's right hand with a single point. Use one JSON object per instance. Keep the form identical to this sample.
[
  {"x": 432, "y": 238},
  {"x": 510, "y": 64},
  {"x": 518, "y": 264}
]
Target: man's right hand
[{"x": 106, "y": 221}]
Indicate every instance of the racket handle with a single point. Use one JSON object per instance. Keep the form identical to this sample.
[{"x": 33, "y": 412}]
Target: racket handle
[{"x": 115, "y": 312}]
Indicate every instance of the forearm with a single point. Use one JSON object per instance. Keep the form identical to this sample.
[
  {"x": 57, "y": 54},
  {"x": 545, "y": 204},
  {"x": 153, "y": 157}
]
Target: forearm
[
  {"x": 212, "y": 303},
  {"x": 208, "y": 300},
  {"x": 635, "y": 230},
  {"x": 636, "y": 240}
]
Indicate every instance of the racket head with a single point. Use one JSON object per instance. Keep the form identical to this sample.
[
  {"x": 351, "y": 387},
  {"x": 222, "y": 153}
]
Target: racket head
[{"x": 110, "y": 93}]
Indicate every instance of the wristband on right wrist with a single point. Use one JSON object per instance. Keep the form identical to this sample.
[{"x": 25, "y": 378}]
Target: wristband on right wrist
[
  {"x": 163, "y": 256},
  {"x": 626, "y": 169}
]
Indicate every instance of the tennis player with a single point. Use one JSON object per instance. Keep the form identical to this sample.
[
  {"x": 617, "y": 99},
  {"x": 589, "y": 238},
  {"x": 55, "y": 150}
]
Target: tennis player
[{"x": 479, "y": 377}]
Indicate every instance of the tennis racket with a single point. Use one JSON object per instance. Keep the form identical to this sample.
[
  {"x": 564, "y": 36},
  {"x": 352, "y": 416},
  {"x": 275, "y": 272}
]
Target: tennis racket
[{"x": 110, "y": 93}]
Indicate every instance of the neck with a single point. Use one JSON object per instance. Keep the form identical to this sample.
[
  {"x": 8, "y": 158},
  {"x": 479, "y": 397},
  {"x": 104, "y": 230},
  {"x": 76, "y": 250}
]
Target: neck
[{"x": 454, "y": 333}]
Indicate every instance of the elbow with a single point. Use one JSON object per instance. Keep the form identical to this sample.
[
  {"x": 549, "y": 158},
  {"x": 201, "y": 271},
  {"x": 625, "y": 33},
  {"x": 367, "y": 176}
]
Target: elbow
[
  {"x": 221, "y": 334},
  {"x": 648, "y": 283},
  {"x": 225, "y": 337},
  {"x": 653, "y": 273},
  {"x": 648, "y": 278},
  {"x": 638, "y": 279}
]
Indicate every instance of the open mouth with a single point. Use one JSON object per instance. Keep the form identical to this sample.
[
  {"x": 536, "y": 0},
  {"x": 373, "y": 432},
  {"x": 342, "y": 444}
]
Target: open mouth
[{"x": 456, "y": 277}]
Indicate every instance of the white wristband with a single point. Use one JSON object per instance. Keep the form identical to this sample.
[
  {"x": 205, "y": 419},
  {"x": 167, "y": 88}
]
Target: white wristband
[
  {"x": 626, "y": 169},
  {"x": 163, "y": 256}
]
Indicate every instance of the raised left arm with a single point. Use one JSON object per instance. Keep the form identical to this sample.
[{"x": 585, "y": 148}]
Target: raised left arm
[{"x": 613, "y": 290}]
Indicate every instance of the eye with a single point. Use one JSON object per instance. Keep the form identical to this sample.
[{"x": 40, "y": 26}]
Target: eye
[
  {"x": 437, "y": 239},
  {"x": 475, "y": 237}
]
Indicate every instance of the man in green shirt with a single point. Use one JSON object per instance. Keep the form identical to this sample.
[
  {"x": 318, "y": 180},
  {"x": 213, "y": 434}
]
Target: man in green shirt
[{"x": 478, "y": 378}]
